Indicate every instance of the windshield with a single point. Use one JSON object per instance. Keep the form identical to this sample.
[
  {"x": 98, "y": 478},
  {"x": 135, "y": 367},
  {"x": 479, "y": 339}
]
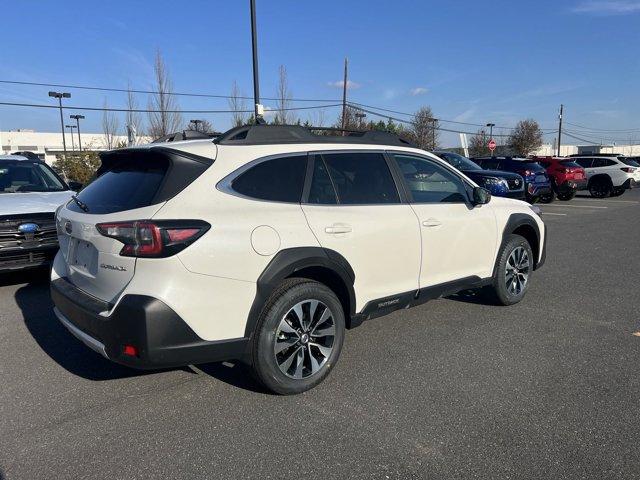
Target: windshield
[
  {"x": 629, "y": 161},
  {"x": 24, "y": 176},
  {"x": 459, "y": 162}
]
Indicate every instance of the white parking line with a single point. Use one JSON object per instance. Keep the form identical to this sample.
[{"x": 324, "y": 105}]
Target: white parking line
[
  {"x": 569, "y": 206},
  {"x": 605, "y": 200},
  {"x": 558, "y": 214}
]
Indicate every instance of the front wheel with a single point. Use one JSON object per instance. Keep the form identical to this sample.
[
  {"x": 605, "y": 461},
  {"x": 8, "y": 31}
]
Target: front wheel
[
  {"x": 298, "y": 337},
  {"x": 514, "y": 266},
  {"x": 566, "y": 196}
]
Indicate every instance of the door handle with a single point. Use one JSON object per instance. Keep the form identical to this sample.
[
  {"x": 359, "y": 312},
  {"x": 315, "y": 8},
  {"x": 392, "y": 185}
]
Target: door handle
[
  {"x": 337, "y": 228},
  {"x": 431, "y": 222}
]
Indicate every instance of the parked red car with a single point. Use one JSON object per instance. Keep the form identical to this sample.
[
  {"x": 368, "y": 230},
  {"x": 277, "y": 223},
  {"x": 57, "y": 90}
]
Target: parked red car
[{"x": 567, "y": 177}]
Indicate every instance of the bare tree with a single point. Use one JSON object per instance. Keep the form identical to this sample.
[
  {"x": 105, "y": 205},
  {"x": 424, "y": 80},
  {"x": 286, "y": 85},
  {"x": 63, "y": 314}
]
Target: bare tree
[
  {"x": 424, "y": 129},
  {"x": 283, "y": 115},
  {"x": 203, "y": 126},
  {"x": 478, "y": 143},
  {"x": 237, "y": 104},
  {"x": 110, "y": 126},
  {"x": 525, "y": 138},
  {"x": 165, "y": 117},
  {"x": 132, "y": 119}
]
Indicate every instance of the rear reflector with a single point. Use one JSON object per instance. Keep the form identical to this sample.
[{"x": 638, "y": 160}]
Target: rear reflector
[
  {"x": 151, "y": 239},
  {"x": 130, "y": 351}
]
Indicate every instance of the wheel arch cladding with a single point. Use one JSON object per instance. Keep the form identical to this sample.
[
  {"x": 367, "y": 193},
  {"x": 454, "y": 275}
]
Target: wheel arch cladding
[
  {"x": 315, "y": 263},
  {"x": 525, "y": 226}
]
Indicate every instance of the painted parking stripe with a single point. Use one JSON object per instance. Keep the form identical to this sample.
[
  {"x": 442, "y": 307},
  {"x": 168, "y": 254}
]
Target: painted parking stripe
[
  {"x": 557, "y": 214},
  {"x": 570, "y": 206},
  {"x": 605, "y": 201}
]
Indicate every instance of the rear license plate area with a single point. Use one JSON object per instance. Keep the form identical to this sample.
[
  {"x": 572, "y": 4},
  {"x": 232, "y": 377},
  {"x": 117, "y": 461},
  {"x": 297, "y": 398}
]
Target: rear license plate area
[{"x": 82, "y": 255}]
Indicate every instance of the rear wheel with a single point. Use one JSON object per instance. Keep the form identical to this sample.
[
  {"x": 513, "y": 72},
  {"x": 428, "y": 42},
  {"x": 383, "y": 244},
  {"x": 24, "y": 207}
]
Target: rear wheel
[
  {"x": 298, "y": 337},
  {"x": 548, "y": 198},
  {"x": 566, "y": 196},
  {"x": 617, "y": 191},
  {"x": 513, "y": 270},
  {"x": 600, "y": 187}
]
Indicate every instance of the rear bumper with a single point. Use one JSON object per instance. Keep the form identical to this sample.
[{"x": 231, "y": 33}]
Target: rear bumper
[
  {"x": 572, "y": 185},
  {"x": 160, "y": 336},
  {"x": 629, "y": 184},
  {"x": 534, "y": 190},
  {"x": 19, "y": 259}
]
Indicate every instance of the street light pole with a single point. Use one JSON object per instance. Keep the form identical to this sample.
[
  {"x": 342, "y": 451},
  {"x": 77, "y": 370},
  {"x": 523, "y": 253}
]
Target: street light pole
[
  {"x": 73, "y": 145},
  {"x": 60, "y": 96},
  {"x": 77, "y": 119},
  {"x": 491, "y": 125}
]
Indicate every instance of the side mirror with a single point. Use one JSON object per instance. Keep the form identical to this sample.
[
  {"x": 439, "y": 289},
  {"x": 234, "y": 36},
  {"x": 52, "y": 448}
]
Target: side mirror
[
  {"x": 75, "y": 186},
  {"x": 481, "y": 196}
]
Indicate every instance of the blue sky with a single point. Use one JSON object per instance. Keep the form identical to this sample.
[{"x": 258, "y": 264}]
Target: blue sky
[{"x": 470, "y": 61}]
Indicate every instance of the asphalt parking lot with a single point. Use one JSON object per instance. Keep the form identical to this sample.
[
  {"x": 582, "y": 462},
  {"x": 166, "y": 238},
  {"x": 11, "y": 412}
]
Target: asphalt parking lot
[{"x": 455, "y": 388}]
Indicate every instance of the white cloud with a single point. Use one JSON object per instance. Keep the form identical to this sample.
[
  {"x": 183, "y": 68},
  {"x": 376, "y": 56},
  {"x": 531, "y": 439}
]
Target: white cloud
[
  {"x": 611, "y": 7},
  {"x": 340, "y": 84},
  {"x": 418, "y": 91},
  {"x": 390, "y": 94},
  {"x": 466, "y": 115}
]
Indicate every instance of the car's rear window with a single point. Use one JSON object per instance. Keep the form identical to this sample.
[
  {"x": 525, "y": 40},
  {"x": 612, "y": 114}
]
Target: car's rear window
[
  {"x": 629, "y": 161},
  {"x": 125, "y": 186},
  {"x": 569, "y": 164},
  {"x": 533, "y": 166}
]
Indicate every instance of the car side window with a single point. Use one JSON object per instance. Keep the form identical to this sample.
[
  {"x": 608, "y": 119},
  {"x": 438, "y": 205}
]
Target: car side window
[
  {"x": 584, "y": 162},
  {"x": 608, "y": 162},
  {"x": 361, "y": 178},
  {"x": 430, "y": 182},
  {"x": 321, "y": 191},
  {"x": 491, "y": 164},
  {"x": 275, "y": 180},
  {"x": 597, "y": 162}
]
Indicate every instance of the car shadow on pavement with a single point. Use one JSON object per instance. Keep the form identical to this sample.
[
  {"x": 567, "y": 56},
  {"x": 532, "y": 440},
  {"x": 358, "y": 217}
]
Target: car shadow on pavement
[
  {"x": 236, "y": 374},
  {"x": 34, "y": 301},
  {"x": 477, "y": 297}
]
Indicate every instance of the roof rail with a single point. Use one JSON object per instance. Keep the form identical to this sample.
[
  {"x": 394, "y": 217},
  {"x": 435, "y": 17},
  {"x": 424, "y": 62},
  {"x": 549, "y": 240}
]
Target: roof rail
[
  {"x": 275, "y": 134},
  {"x": 596, "y": 155},
  {"x": 186, "y": 135}
]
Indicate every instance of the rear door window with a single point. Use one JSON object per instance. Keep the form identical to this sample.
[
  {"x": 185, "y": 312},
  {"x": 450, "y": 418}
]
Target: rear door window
[
  {"x": 361, "y": 178},
  {"x": 584, "y": 162},
  {"x": 125, "y": 186},
  {"x": 321, "y": 191},
  {"x": 275, "y": 180}
]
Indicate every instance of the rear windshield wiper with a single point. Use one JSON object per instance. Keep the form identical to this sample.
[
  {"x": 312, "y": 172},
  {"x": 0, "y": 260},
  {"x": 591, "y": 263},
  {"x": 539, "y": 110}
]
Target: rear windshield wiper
[{"x": 80, "y": 203}]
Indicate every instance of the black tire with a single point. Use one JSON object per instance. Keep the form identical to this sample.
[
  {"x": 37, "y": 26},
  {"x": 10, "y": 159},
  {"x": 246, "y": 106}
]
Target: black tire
[
  {"x": 566, "y": 196},
  {"x": 617, "y": 191},
  {"x": 498, "y": 288},
  {"x": 264, "y": 360},
  {"x": 549, "y": 198},
  {"x": 600, "y": 187},
  {"x": 531, "y": 199}
]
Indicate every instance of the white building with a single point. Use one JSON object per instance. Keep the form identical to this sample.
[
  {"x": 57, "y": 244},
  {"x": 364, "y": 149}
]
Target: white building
[
  {"x": 549, "y": 149},
  {"x": 48, "y": 144}
]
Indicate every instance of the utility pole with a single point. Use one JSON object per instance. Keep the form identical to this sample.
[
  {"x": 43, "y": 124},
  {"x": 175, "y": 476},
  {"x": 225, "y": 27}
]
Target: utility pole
[
  {"x": 60, "y": 96},
  {"x": 433, "y": 133},
  {"x": 71, "y": 127},
  {"x": 77, "y": 119},
  {"x": 344, "y": 95},
  {"x": 560, "y": 128},
  {"x": 258, "y": 109},
  {"x": 491, "y": 125}
]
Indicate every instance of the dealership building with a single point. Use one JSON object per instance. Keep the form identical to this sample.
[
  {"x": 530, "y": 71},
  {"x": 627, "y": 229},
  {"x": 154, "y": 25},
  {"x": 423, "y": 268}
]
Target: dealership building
[{"x": 48, "y": 144}]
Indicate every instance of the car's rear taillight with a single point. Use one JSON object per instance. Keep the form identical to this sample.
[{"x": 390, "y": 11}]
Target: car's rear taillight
[
  {"x": 525, "y": 173},
  {"x": 628, "y": 169},
  {"x": 564, "y": 170},
  {"x": 154, "y": 239}
]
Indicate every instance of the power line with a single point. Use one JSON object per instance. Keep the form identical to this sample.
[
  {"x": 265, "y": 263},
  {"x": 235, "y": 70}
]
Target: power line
[
  {"x": 154, "y": 92},
  {"x": 630, "y": 130},
  {"x": 138, "y": 110}
]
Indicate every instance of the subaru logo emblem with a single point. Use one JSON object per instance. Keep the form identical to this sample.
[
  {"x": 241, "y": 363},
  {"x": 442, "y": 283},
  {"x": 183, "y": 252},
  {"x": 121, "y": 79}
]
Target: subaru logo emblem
[
  {"x": 28, "y": 228},
  {"x": 68, "y": 227}
]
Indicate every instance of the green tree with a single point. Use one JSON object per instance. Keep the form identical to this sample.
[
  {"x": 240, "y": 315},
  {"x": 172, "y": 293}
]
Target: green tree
[{"x": 78, "y": 166}]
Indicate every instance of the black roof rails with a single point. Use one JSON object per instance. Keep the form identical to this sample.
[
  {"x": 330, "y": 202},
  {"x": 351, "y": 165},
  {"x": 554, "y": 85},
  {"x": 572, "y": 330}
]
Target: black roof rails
[
  {"x": 596, "y": 155},
  {"x": 186, "y": 135},
  {"x": 275, "y": 134}
]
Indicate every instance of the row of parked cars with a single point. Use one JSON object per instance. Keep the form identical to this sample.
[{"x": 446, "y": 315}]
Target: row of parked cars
[{"x": 547, "y": 178}]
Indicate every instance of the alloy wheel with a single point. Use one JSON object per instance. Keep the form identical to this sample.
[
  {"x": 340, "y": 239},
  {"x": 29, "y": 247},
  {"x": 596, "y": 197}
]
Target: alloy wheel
[
  {"x": 304, "y": 339},
  {"x": 517, "y": 271}
]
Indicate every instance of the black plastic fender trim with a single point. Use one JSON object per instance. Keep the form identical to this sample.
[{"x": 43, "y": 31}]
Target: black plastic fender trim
[{"x": 288, "y": 261}]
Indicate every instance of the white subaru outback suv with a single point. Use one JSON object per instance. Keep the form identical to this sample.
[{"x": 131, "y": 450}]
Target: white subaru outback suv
[
  {"x": 609, "y": 174},
  {"x": 265, "y": 244}
]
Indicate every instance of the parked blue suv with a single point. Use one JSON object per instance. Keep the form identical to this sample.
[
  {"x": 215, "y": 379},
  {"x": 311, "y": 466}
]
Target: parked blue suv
[
  {"x": 536, "y": 181},
  {"x": 500, "y": 184}
]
